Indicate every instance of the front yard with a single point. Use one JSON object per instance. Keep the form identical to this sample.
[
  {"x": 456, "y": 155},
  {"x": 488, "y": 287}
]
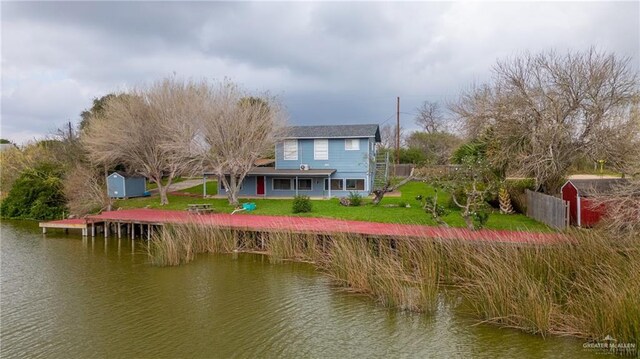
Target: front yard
[{"x": 332, "y": 208}]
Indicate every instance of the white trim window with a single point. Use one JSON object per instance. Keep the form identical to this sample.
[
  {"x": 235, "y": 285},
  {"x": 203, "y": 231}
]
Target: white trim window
[
  {"x": 354, "y": 184},
  {"x": 305, "y": 184},
  {"x": 337, "y": 184},
  {"x": 229, "y": 182},
  {"x": 282, "y": 184},
  {"x": 352, "y": 144},
  {"x": 320, "y": 149},
  {"x": 290, "y": 148}
]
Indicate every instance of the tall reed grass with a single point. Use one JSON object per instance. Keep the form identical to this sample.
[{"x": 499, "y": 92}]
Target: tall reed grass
[{"x": 587, "y": 286}]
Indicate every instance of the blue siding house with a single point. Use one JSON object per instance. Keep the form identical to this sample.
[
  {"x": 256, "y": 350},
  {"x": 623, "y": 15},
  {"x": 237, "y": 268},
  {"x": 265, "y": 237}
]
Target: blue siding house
[
  {"x": 121, "y": 185},
  {"x": 318, "y": 161}
]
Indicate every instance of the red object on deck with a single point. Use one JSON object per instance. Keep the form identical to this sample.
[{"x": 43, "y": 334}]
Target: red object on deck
[{"x": 319, "y": 225}]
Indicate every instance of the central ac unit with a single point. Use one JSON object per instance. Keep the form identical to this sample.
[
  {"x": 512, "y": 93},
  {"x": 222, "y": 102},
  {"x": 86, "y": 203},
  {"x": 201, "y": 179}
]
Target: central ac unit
[{"x": 304, "y": 167}]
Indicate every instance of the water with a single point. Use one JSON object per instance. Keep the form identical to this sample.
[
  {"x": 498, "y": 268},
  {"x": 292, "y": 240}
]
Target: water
[{"x": 63, "y": 297}]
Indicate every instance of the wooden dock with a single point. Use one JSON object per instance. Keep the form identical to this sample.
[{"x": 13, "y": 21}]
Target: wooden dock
[
  {"x": 92, "y": 226},
  {"x": 66, "y": 224},
  {"x": 142, "y": 223}
]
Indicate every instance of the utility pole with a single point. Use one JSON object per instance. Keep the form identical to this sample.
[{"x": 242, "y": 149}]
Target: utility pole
[{"x": 398, "y": 132}]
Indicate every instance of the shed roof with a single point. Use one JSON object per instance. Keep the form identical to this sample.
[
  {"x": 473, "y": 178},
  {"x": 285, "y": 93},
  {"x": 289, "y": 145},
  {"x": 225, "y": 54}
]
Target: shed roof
[
  {"x": 335, "y": 131},
  {"x": 127, "y": 175},
  {"x": 590, "y": 187}
]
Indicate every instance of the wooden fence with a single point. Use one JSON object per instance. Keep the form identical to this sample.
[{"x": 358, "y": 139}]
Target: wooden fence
[
  {"x": 401, "y": 170},
  {"x": 552, "y": 211},
  {"x": 435, "y": 171}
]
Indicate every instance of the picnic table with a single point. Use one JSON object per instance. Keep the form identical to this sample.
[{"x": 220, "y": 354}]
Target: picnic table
[{"x": 200, "y": 208}]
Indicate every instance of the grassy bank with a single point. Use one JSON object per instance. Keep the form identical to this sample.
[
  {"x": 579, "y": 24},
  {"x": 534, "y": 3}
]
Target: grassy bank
[
  {"x": 588, "y": 287},
  {"x": 387, "y": 212}
]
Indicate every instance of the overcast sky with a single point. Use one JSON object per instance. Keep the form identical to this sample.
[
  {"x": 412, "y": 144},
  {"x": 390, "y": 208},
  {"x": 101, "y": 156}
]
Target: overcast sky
[{"x": 330, "y": 63}]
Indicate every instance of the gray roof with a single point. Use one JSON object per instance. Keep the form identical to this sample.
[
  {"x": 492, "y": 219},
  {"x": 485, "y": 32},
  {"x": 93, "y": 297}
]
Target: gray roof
[
  {"x": 282, "y": 172},
  {"x": 335, "y": 131},
  {"x": 127, "y": 175},
  {"x": 271, "y": 171},
  {"x": 589, "y": 187}
]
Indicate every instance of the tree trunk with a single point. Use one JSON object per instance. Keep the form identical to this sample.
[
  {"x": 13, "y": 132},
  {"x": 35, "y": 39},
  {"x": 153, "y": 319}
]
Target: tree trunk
[
  {"x": 163, "y": 193},
  {"x": 468, "y": 221},
  {"x": 379, "y": 193},
  {"x": 505, "y": 201},
  {"x": 232, "y": 191},
  {"x": 110, "y": 201}
]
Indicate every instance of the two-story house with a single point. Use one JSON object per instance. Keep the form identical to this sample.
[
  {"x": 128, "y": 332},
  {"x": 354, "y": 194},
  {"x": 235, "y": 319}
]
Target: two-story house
[{"x": 318, "y": 161}]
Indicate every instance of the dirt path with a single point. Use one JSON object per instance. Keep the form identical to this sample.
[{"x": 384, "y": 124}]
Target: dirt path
[
  {"x": 180, "y": 185},
  {"x": 591, "y": 176}
]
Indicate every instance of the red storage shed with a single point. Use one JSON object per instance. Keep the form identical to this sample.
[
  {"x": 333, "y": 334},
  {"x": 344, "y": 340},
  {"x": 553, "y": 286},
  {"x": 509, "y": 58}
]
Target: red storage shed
[{"x": 582, "y": 211}]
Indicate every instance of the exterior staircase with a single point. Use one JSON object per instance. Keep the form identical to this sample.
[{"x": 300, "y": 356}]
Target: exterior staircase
[{"x": 381, "y": 175}]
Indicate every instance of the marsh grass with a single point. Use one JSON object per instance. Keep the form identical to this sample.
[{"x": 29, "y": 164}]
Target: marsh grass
[
  {"x": 586, "y": 286},
  {"x": 175, "y": 245}
]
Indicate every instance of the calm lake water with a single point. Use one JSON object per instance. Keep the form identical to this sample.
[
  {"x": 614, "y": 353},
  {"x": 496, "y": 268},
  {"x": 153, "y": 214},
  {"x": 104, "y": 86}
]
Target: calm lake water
[{"x": 64, "y": 297}]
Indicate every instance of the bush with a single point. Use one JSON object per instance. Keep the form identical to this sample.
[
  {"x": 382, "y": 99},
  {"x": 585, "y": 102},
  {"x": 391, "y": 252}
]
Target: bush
[
  {"x": 301, "y": 204},
  {"x": 402, "y": 204},
  {"x": 355, "y": 199},
  {"x": 480, "y": 218},
  {"x": 36, "y": 194}
]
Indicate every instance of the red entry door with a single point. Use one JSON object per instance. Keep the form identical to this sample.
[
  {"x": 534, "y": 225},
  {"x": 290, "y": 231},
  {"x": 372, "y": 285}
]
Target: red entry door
[{"x": 260, "y": 185}]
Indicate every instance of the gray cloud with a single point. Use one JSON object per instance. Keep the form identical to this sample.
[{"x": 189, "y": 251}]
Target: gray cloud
[{"x": 329, "y": 62}]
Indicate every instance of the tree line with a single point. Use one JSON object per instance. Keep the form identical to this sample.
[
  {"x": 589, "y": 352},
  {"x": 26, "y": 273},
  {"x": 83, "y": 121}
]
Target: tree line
[{"x": 168, "y": 129}]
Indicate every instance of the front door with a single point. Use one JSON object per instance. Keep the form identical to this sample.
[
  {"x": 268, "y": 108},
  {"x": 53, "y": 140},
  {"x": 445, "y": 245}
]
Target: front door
[{"x": 260, "y": 185}]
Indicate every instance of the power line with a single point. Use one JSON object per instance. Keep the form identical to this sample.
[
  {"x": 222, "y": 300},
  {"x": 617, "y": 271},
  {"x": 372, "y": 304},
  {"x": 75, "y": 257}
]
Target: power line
[{"x": 387, "y": 120}]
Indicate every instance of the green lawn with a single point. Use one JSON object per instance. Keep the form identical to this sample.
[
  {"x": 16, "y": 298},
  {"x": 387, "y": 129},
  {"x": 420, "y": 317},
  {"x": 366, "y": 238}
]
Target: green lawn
[{"x": 332, "y": 208}]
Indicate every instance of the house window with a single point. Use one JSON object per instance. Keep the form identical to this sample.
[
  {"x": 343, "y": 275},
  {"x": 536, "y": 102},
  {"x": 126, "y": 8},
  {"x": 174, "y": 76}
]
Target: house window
[
  {"x": 282, "y": 184},
  {"x": 320, "y": 149},
  {"x": 336, "y": 184},
  {"x": 228, "y": 178},
  {"x": 304, "y": 184},
  {"x": 291, "y": 149},
  {"x": 352, "y": 144},
  {"x": 355, "y": 184}
]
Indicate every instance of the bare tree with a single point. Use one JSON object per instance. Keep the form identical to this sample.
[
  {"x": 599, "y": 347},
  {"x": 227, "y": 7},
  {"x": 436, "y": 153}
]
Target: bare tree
[
  {"x": 622, "y": 208},
  {"x": 86, "y": 190},
  {"x": 236, "y": 129},
  {"x": 388, "y": 137},
  {"x": 437, "y": 147},
  {"x": 150, "y": 131},
  {"x": 542, "y": 112},
  {"x": 430, "y": 117}
]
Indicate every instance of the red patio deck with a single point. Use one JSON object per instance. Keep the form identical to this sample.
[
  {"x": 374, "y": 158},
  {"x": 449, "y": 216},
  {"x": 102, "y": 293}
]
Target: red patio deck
[{"x": 303, "y": 224}]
